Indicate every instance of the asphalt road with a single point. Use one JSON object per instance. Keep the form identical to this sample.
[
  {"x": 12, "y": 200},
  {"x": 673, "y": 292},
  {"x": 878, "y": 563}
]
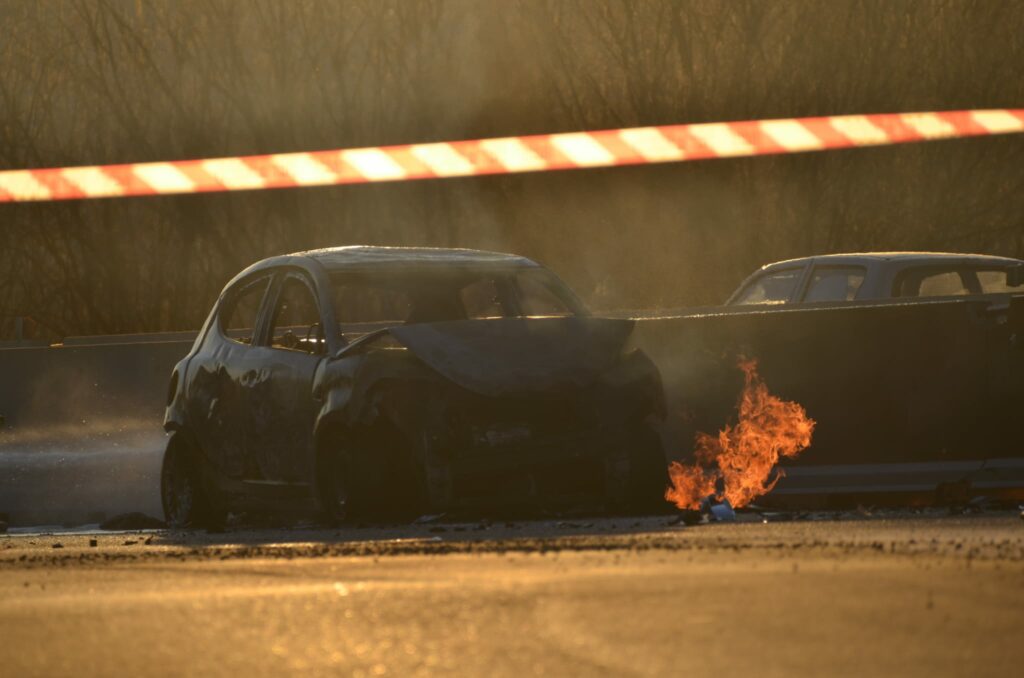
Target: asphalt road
[{"x": 935, "y": 596}]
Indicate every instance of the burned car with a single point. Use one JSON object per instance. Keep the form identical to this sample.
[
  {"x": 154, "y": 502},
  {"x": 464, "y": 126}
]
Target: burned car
[{"x": 375, "y": 381}]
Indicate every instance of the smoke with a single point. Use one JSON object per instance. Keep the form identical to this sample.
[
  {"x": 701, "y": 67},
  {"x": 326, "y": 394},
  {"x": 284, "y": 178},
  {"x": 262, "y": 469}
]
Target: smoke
[
  {"x": 85, "y": 482},
  {"x": 83, "y": 435}
]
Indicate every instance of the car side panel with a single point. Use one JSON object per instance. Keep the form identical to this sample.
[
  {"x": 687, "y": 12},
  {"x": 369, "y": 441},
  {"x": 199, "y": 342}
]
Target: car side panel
[
  {"x": 282, "y": 413},
  {"x": 215, "y": 408}
]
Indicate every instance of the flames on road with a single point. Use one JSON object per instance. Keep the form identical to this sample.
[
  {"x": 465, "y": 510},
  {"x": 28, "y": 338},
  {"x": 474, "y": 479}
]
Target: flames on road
[{"x": 738, "y": 464}]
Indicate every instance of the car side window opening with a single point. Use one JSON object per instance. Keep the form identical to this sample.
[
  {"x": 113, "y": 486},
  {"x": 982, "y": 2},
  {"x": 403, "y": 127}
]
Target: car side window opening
[
  {"x": 835, "y": 283},
  {"x": 537, "y": 296},
  {"x": 435, "y": 301},
  {"x": 942, "y": 284},
  {"x": 482, "y": 298},
  {"x": 931, "y": 282},
  {"x": 994, "y": 282},
  {"x": 775, "y": 287},
  {"x": 238, "y": 319},
  {"x": 295, "y": 325}
]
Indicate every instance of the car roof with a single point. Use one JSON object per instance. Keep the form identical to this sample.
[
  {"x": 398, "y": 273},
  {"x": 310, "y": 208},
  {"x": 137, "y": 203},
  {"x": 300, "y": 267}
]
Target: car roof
[
  {"x": 895, "y": 257},
  {"x": 362, "y": 256}
]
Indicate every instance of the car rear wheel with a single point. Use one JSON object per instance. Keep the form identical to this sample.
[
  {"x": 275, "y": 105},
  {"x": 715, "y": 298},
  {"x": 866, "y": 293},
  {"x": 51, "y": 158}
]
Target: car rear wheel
[{"x": 185, "y": 502}]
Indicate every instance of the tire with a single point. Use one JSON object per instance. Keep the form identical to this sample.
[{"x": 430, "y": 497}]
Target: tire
[
  {"x": 368, "y": 474},
  {"x": 332, "y": 484},
  {"x": 648, "y": 472},
  {"x": 185, "y": 502}
]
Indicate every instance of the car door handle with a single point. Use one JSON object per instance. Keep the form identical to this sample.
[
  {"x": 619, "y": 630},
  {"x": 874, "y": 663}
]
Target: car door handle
[{"x": 250, "y": 378}]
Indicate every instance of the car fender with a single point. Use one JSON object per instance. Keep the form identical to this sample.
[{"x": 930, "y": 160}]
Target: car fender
[
  {"x": 349, "y": 388},
  {"x": 174, "y": 414}
]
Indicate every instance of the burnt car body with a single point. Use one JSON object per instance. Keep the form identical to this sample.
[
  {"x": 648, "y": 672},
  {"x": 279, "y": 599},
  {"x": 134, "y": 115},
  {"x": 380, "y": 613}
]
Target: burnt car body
[
  {"x": 838, "y": 278},
  {"x": 370, "y": 380}
]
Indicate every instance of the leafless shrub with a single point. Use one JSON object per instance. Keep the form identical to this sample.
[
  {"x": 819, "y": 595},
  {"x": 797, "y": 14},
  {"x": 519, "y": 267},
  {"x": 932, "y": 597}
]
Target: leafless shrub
[{"x": 95, "y": 81}]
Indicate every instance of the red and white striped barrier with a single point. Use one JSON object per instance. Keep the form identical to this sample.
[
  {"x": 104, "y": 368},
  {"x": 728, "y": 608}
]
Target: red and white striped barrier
[{"x": 507, "y": 155}]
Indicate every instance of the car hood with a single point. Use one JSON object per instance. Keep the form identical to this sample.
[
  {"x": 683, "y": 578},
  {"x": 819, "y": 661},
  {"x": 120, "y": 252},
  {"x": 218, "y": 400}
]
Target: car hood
[{"x": 506, "y": 356}]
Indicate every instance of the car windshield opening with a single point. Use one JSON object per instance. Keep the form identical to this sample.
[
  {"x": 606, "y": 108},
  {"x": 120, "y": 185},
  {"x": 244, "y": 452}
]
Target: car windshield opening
[{"x": 365, "y": 301}]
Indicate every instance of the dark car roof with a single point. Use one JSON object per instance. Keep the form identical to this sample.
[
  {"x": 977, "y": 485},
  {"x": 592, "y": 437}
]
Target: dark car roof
[
  {"x": 363, "y": 257},
  {"x": 882, "y": 268},
  {"x": 902, "y": 257},
  {"x": 360, "y": 256}
]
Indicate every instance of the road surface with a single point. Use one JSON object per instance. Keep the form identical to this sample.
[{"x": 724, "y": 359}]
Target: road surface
[{"x": 911, "y": 596}]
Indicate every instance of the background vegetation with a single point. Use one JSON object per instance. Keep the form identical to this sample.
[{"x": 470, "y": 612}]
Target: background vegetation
[{"x": 100, "y": 81}]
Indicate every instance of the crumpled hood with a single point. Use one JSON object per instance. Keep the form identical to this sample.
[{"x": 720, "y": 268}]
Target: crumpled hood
[{"x": 506, "y": 356}]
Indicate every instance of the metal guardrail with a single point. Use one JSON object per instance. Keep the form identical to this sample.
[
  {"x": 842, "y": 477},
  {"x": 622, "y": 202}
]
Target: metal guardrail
[
  {"x": 24, "y": 332},
  {"x": 148, "y": 338}
]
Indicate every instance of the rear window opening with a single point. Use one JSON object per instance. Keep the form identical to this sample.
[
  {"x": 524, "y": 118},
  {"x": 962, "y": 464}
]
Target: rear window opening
[{"x": 951, "y": 282}]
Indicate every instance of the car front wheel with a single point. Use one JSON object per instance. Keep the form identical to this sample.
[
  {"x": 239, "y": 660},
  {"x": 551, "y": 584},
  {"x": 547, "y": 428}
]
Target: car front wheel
[
  {"x": 332, "y": 487},
  {"x": 648, "y": 472},
  {"x": 368, "y": 474},
  {"x": 184, "y": 500}
]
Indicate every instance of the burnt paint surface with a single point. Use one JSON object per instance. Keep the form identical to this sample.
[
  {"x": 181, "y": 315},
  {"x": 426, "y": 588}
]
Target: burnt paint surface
[
  {"x": 517, "y": 424},
  {"x": 571, "y": 439},
  {"x": 470, "y": 398},
  {"x": 518, "y": 355},
  {"x": 250, "y": 408}
]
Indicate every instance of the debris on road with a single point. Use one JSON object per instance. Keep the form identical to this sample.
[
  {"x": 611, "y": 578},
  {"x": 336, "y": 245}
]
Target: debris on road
[
  {"x": 687, "y": 517},
  {"x": 717, "y": 511},
  {"x": 569, "y": 524},
  {"x": 710, "y": 511},
  {"x": 778, "y": 517},
  {"x": 133, "y": 521}
]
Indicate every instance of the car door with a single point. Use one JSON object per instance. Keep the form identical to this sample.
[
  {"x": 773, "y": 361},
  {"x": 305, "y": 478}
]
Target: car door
[
  {"x": 216, "y": 399},
  {"x": 279, "y": 383}
]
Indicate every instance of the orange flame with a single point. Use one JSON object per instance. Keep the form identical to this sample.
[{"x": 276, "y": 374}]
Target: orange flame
[{"x": 745, "y": 454}]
